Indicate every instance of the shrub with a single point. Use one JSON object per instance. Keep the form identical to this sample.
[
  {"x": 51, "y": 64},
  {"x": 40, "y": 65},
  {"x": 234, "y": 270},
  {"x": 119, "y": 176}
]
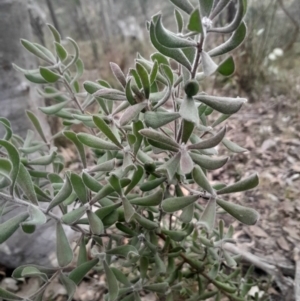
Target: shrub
[{"x": 145, "y": 203}]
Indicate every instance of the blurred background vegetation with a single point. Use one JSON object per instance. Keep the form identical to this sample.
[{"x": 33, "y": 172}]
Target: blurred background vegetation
[{"x": 114, "y": 30}]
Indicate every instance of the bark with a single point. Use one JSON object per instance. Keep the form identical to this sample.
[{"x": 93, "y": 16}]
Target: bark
[
  {"x": 17, "y": 95},
  {"x": 53, "y": 16}
]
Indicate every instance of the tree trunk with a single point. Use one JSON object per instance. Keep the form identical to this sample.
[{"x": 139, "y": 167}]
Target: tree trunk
[
  {"x": 17, "y": 95},
  {"x": 53, "y": 16}
]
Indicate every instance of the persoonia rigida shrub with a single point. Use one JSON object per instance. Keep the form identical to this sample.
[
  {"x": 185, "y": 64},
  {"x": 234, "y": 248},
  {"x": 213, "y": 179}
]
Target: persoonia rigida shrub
[{"x": 144, "y": 208}]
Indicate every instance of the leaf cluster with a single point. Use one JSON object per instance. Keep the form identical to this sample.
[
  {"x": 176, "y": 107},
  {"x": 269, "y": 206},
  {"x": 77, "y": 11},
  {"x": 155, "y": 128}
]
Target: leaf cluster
[{"x": 147, "y": 190}]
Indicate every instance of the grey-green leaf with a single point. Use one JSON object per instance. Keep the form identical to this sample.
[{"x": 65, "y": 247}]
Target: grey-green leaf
[
  {"x": 6, "y": 295},
  {"x": 95, "y": 142},
  {"x": 15, "y": 160},
  {"x": 149, "y": 200},
  {"x": 188, "y": 110},
  {"x": 9, "y": 227},
  {"x": 173, "y": 53},
  {"x": 200, "y": 178},
  {"x": 37, "y": 217},
  {"x": 184, "y": 5},
  {"x": 143, "y": 74},
  {"x": 73, "y": 216},
  {"x": 79, "y": 188},
  {"x": 207, "y": 162},
  {"x": 177, "y": 203},
  {"x": 195, "y": 21},
  {"x": 233, "y": 146},
  {"x": 118, "y": 73},
  {"x": 242, "y": 185},
  {"x": 208, "y": 216},
  {"x": 104, "y": 128},
  {"x": 49, "y": 75},
  {"x": 234, "y": 41},
  {"x": 113, "y": 287},
  {"x": 208, "y": 65},
  {"x": 62, "y": 195},
  {"x": 158, "y": 119},
  {"x": 64, "y": 251},
  {"x": 95, "y": 223},
  {"x": 157, "y": 136},
  {"x": 72, "y": 136},
  {"x": 69, "y": 285},
  {"x": 123, "y": 251},
  {"x": 243, "y": 214},
  {"x": 36, "y": 124},
  {"x": 210, "y": 142},
  {"x": 131, "y": 113},
  {"x": 169, "y": 39},
  {"x": 25, "y": 182},
  {"x": 225, "y": 105}
]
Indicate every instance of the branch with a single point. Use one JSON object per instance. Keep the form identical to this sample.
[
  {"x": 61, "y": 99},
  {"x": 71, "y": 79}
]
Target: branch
[{"x": 295, "y": 23}]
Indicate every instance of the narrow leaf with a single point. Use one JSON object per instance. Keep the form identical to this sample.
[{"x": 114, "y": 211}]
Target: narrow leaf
[
  {"x": 200, "y": 178},
  {"x": 195, "y": 22},
  {"x": 104, "y": 128},
  {"x": 69, "y": 285},
  {"x": 225, "y": 105},
  {"x": 78, "y": 273},
  {"x": 242, "y": 185},
  {"x": 62, "y": 195},
  {"x": 25, "y": 182},
  {"x": 145, "y": 222},
  {"x": 72, "y": 137},
  {"x": 113, "y": 288},
  {"x": 131, "y": 113},
  {"x": 158, "y": 119},
  {"x": 36, "y": 124},
  {"x": 74, "y": 215},
  {"x": 208, "y": 216},
  {"x": 128, "y": 210},
  {"x": 174, "y": 53},
  {"x": 64, "y": 251},
  {"x": 96, "y": 142},
  {"x": 49, "y": 75},
  {"x": 234, "y": 41},
  {"x": 143, "y": 74},
  {"x": 51, "y": 110},
  {"x": 188, "y": 110},
  {"x": 177, "y": 203},
  {"x": 137, "y": 176},
  {"x": 95, "y": 223},
  {"x": 184, "y": 5},
  {"x": 233, "y": 146},
  {"x": 79, "y": 188},
  {"x": 208, "y": 65},
  {"x": 15, "y": 160},
  {"x": 207, "y": 162},
  {"x": 37, "y": 217},
  {"x": 118, "y": 73},
  {"x": 149, "y": 200},
  {"x": 157, "y": 136},
  {"x": 9, "y": 227},
  {"x": 169, "y": 39},
  {"x": 243, "y": 214},
  {"x": 210, "y": 142}
]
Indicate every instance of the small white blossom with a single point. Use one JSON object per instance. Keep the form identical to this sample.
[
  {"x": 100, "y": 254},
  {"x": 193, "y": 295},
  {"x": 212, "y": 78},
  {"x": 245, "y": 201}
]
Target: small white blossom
[{"x": 206, "y": 22}]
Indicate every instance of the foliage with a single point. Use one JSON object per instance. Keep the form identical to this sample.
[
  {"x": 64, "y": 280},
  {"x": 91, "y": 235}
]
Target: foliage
[{"x": 145, "y": 204}]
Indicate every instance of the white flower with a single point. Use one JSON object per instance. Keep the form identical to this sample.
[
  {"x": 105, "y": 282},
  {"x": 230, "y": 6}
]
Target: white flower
[
  {"x": 206, "y": 22},
  {"x": 278, "y": 52}
]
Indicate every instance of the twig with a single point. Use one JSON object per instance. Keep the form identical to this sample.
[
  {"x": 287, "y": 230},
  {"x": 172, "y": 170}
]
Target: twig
[
  {"x": 297, "y": 275},
  {"x": 296, "y": 25},
  {"x": 283, "y": 283}
]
